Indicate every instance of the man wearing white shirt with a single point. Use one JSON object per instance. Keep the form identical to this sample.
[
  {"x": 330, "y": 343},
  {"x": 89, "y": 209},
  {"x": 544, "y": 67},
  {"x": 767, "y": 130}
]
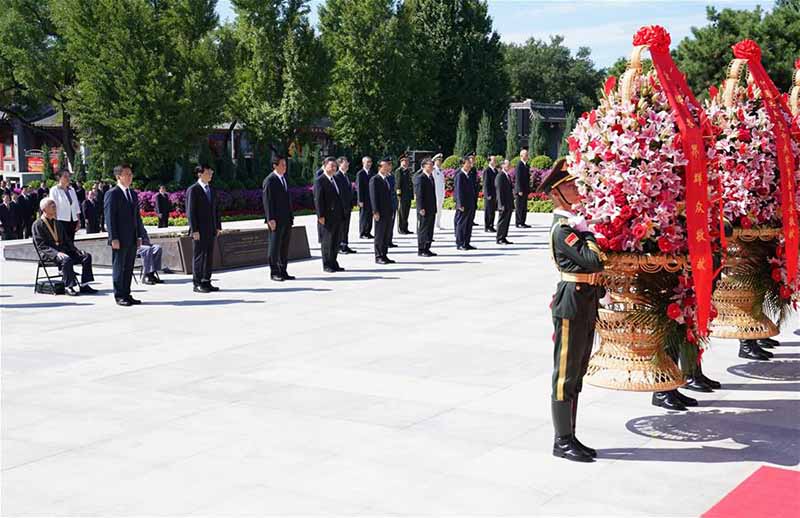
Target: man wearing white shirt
[
  {"x": 330, "y": 215},
  {"x": 68, "y": 207}
]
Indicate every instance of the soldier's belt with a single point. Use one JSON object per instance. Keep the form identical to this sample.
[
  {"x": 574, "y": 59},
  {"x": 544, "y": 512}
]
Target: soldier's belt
[{"x": 585, "y": 278}]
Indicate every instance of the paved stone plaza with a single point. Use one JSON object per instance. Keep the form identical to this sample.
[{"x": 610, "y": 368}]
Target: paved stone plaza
[{"x": 420, "y": 388}]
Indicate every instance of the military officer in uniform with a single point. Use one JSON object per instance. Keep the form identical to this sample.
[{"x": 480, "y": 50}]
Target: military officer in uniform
[
  {"x": 403, "y": 178},
  {"x": 574, "y": 307}
]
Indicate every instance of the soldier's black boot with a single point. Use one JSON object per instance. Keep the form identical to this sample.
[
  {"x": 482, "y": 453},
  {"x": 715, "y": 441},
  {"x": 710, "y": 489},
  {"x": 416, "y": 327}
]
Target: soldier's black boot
[
  {"x": 668, "y": 400},
  {"x": 716, "y": 385},
  {"x": 565, "y": 445},
  {"x": 767, "y": 343},
  {"x": 590, "y": 451},
  {"x": 686, "y": 400},
  {"x": 749, "y": 350}
]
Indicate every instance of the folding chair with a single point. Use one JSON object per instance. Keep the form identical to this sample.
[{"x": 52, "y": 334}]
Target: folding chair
[
  {"x": 42, "y": 265},
  {"x": 138, "y": 263}
]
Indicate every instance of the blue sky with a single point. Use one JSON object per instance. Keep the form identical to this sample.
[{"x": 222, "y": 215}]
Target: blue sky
[{"x": 606, "y": 26}]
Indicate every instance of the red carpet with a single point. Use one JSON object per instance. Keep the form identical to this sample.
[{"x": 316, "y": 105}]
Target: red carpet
[{"x": 769, "y": 492}]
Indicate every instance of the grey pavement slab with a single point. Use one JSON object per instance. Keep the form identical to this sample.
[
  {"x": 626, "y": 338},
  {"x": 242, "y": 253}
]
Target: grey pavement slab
[{"x": 420, "y": 388}]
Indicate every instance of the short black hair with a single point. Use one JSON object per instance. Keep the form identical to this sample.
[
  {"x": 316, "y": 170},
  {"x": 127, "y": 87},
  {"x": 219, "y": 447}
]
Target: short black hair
[
  {"x": 276, "y": 159},
  {"x": 342, "y": 159},
  {"x": 121, "y": 167},
  {"x": 426, "y": 161},
  {"x": 329, "y": 159},
  {"x": 62, "y": 172},
  {"x": 198, "y": 170},
  {"x": 463, "y": 160}
]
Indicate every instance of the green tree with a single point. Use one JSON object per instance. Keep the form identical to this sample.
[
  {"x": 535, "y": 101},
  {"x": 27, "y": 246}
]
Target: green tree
[
  {"x": 150, "y": 77},
  {"x": 548, "y": 72},
  {"x": 569, "y": 125},
  {"x": 484, "y": 141},
  {"x": 463, "y": 136},
  {"x": 36, "y": 69},
  {"x": 704, "y": 56},
  {"x": 512, "y": 136},
  {"x": 463, "y": 57},
  {"x": 47, "y": 165},
  {"x": 537, "y": 143},
  {"x": 369, "y": 99},
  {"x": 280, "y": 70}
]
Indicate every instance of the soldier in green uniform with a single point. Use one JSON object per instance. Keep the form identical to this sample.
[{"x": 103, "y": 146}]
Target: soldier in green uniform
[
  {"x": 574, "y": 308},
  {"x": 403, "y": 178}
]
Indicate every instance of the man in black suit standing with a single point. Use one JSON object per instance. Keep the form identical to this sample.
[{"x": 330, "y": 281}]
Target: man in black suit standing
[
  {"x": 204, "y": 226},
  {"x": 279, "y": 217},
  {"x": 380, "y": 195},
  {"x": 405, "y": 194},
  {"x": 473, "y": 178},
  {"x": 505, "y": 202},
  {"x": 489, "y": 195},
  {"x": 125, "y": 232},
  {"x": 91, "y": 213},
  {"x": 163, "y": 207},
  {"x": 364, "y": 204},
  {"x": 80, "y": 192},
  {"x": 425, "y": 192},
  {"x": 101, "y": 196},
  {"x": 346, "y": 193},
  {"x": 330, "y": 215},
  {"x": 464, "y": 195},
  {"x": 522, "y": 187},
  {"x": 9, "y": 218}
]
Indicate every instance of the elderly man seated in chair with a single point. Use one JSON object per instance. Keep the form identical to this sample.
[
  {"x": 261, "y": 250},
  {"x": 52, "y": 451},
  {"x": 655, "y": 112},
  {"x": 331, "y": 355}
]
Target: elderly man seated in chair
[
  {"x": 151, "y": 260},
  {"x": 49, "y": 240}
]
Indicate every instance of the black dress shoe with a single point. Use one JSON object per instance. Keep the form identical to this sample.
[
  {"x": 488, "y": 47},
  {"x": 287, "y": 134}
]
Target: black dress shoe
[
  {"x": 287, "y": 277},
  {"x": 390, "y": 261},
  {"x": 567, "y": 447},
  {"x": 343, "y": 251},
  {"x": 329, "y": 270},
  {"x": 769, "y": 343},
  {"x": 391, "y": 245},
  {"x": 339, "y": 269},
  {"x": 716, "y": 385},
  {"x": 470, "y": 247},
  {"x": 432, "y": 254},
  {"x": 201, "y": 289},
  {"x": 276, "y": 277},
  {"x": 72, "y": 291},
  {"x": 211, "y": 288},
  {"x": 525, "y": 225},
  {"x": 123, "y": 302},
  {"x": 766, "y": 353},
  {"x": 134, "y": 301},
  {"x": 697, "y": 384},
  {"x": 157, "y": 278},
  {"x": 370, "y": 236},
  {"x": 461, "y": 248},
  {"x": 381, "y": 260},
  {"x": 683, "y": 398},
  {"x": 749, "y": 351},
  {"x": 149, "y": 281},
  {"x": 668, "y": 400},
  {"x": 351, "y": 251},
  {"x": 88, "y": 289},
  {"x": 491, "y": 229}
]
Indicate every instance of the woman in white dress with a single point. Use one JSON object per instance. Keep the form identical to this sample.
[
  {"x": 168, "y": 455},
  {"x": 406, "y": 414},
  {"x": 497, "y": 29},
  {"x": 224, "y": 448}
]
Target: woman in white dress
[
  {"x": 438, "y": 181},
  {"x": 68, "y": 208}
]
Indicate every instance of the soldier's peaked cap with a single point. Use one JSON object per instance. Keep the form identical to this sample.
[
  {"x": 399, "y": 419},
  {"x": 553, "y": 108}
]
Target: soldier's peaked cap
[{"x": 558, "y": 175}]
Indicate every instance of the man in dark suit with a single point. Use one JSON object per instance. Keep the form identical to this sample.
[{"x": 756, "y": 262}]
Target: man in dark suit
[
  {"x": 425, "y": 192},
  {"x": 204, "y": 226},
  {"x": 364, "y": 205},
  {"x": 125, "y": 231},
  {"x": 464, "y": 195},
  {"x": 101, "y": 202},
  {"x": 505, "y": 202},
  {"x": 9, "y": 218},
  {"x": 395, "y": 204},
  {"x": 405, "y": 194},
  {"x": 522, "y": 187},
  {"x": 91, "y": 213},
  {"x": 80, "y": 192},
  {"x": 330, "y": 215},
  {"x": 29, "y": 206},
  {"x": 489, "y": 195},
  {"x": 473, "y": 178},
  {"x": 279, "y": 217},
  {"x": 381, "y": 195},
  {"x": 163, "y": 207},
  {"x": 346, "y": 193},
  {"x": 50, "y": 241}
]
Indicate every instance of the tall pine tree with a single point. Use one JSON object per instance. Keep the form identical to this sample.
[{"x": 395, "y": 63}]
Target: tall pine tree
[
  {"x": 483, "y": 146},
  {"x": 463, "y": 137},
  {"x": 537, "y": 145},
  {"x": 569, "y": 125},
  {"x": 512, "y": 135}
]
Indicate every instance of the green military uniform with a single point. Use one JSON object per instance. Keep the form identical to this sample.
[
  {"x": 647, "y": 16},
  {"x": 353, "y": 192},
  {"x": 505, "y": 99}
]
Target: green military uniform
[
  {"x": 404, "y": 184},
  {"x": 574, "y": 306}
]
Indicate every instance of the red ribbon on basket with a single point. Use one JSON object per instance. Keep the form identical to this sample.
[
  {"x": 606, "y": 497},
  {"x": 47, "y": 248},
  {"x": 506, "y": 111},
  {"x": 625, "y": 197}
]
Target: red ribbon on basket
[
  {"x": 787, "y": 165},
  {"x": 696, "y": 174}
]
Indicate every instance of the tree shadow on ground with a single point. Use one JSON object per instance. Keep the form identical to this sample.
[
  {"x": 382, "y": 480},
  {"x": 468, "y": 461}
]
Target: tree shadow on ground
[
  {"x": 775, "y": 370},
  {"x": 272, "y": 290},
  {"x": 34, "y": 305},
  {"x": 208, "y": 302},
  {"x": 768, "y": 430}
]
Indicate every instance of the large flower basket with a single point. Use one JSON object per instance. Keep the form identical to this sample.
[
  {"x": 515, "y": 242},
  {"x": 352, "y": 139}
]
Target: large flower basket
[{"x": 632, "y": 354}]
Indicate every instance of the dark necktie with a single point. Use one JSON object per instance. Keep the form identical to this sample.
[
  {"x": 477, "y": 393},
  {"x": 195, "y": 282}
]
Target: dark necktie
[{"x": 207, "y": 190}]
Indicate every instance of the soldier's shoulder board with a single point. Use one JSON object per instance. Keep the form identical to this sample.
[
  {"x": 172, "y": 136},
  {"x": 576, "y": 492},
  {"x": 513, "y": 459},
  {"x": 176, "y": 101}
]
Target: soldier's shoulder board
[{"x": 571, "y": 239}]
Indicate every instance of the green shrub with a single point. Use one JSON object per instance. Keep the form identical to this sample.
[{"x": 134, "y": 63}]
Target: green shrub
[
  {"x": 514, "y": 162},
  {"x": 481, "y": 162},
  {"x": 541, "y": 162},
  {"x": 540, "y": 206},
  {"x": 451, "y": 162}
]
